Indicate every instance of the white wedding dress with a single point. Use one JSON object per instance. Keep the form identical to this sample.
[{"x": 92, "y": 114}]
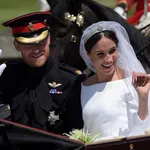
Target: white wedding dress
[{"x": 110, "y": 109}]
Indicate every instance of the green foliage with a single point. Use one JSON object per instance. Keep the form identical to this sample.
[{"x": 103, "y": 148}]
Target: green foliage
[
  {"x": 109, "y": 3},
  {"x": 13, "y": 8}
]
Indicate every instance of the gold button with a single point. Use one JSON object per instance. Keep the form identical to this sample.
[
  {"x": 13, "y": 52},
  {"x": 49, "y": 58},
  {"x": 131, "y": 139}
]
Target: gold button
[
  {"x": 78, "y": 72},
  {"x": 131, "y": 146}
]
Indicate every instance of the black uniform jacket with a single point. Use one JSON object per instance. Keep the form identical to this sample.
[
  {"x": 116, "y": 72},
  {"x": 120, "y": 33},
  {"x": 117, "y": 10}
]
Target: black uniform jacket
[{"x": 47, "y": 98}]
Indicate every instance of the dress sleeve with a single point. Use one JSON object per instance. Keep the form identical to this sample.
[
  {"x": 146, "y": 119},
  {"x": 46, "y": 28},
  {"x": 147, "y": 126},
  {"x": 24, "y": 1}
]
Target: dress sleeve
[{"x": 136, "y": 125}]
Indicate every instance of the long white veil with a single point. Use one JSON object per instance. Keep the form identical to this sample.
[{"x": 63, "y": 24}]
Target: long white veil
[{"x": 127, "y": 59}]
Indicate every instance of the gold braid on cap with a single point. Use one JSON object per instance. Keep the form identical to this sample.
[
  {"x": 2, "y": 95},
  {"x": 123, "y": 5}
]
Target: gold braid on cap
[
  {"x": 79, "y": 19},
  {"x": 30, "y": 40}
]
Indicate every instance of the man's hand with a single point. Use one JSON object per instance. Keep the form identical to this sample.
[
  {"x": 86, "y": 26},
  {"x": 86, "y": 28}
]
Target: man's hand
[
  {"x": 2, "y": 66},
  {"x": 121, "y": 12}
]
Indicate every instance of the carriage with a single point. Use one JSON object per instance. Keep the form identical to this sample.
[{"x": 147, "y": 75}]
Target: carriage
[
  {"x": 71, "y": 20},
  {"x": 26, "y": 137}
]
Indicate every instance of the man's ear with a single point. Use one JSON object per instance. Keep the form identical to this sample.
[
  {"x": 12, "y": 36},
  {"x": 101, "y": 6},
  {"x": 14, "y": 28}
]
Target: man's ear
[
  {"x": 16, "y": 44},
  {"x": 49, "y": 39}
]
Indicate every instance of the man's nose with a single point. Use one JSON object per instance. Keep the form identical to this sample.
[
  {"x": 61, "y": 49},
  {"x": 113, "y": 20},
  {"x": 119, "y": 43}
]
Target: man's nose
[{"x": 36, "y": 47}]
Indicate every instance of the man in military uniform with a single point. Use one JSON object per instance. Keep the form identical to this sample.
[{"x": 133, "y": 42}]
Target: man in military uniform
[
  {"x": 41, "y": 93},
  {"x": 139, "y": 18}
]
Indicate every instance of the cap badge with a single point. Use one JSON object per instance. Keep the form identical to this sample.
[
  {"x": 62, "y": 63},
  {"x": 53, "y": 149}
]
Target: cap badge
[
  {"x": 54, "y": 85},
  {"x": 52, "y": 118},
  {"x": 31, "y": 28}
]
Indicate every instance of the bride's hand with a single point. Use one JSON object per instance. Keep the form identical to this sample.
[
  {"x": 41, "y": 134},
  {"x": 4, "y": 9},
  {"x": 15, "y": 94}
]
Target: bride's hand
[{"x": 141, "y": 83}]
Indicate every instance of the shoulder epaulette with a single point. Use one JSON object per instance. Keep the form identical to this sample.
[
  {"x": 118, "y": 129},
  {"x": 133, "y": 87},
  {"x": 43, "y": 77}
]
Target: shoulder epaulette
[{"x": 70, "y": 69}]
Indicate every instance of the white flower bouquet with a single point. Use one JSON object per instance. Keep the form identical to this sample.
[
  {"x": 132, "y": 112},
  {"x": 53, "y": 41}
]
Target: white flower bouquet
[{"x": 81, "y": 135}]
